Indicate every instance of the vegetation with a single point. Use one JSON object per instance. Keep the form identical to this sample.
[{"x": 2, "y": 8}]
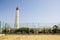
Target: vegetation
[
  {"x": 22, "y": 30},
  {"x": 55, "y": 30}
]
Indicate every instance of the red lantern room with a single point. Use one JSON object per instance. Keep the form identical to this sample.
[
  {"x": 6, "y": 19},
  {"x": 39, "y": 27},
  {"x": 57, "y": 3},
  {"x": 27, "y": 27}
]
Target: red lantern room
[{"x": 17, "y": 8}]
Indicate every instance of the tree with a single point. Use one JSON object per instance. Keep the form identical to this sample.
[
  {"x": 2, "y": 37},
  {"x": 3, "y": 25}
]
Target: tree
[
  {"x": 55, "y": 29},
  {"x": 32, "y": 31},
  {"x": 49, "y": 30},
  {"x": 43, "y": 30},
  {"x": 6, "y": 28},
  {"x": 22, "y": 30}
]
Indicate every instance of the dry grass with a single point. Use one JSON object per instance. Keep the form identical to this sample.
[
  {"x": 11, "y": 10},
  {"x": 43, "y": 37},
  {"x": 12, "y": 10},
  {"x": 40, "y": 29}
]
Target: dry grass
[{"x": 30, "y": 37}]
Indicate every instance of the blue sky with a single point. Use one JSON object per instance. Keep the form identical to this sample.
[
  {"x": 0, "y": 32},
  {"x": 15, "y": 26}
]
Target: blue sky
[{"x": 31, "y": 11}]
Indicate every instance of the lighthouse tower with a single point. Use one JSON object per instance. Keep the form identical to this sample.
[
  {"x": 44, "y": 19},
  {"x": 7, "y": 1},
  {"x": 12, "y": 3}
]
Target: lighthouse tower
[{"x": 17, "y": 18}]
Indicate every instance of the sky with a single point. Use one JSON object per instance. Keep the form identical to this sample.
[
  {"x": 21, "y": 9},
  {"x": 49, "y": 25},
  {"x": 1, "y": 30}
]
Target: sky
[{"x": 30, "y": 11}]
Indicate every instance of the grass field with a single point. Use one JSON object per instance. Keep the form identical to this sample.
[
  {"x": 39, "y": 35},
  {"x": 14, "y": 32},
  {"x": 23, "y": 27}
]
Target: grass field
[{"x": 30, "y": 37}]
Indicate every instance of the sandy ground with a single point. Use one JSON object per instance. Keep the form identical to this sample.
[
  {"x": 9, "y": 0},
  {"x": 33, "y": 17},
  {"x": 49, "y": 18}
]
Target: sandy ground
[{"x": 29, "y": 37}]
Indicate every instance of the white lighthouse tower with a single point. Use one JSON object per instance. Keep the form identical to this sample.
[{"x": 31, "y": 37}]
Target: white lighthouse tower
[{"x": 17, "y": 18}]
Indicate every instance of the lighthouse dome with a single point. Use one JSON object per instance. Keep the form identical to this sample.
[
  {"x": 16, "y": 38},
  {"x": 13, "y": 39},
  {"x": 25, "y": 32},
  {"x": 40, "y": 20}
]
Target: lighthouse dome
[{"x": 17, "y": 8}]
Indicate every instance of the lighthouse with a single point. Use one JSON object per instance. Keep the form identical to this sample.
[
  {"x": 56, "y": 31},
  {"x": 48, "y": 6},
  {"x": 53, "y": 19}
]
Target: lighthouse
[{"x": 17, "y": 18}]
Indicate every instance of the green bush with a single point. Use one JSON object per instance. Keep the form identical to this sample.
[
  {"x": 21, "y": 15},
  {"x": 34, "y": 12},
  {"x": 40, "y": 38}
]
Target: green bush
[{"x": 22, "y": 30}]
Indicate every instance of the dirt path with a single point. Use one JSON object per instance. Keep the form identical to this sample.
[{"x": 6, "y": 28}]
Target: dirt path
[{"x": 30, "y": 37}]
